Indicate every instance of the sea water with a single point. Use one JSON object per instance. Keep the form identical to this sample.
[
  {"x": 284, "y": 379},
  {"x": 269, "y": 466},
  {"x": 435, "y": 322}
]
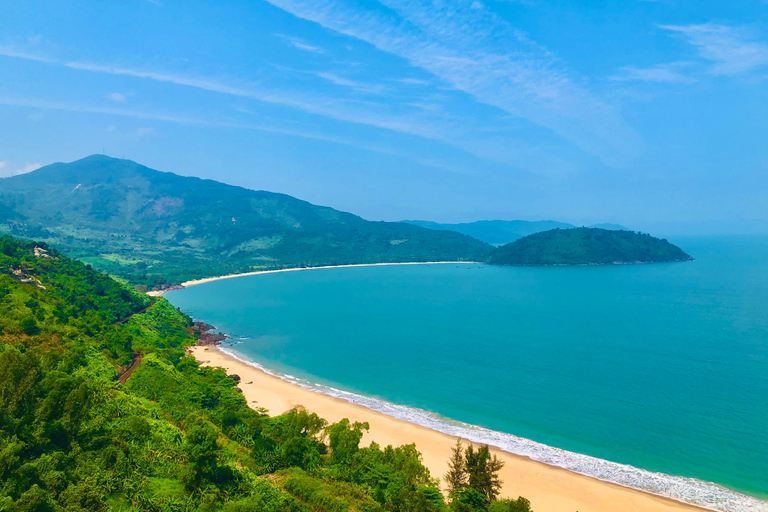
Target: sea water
[{"x": 652, "y": 376}]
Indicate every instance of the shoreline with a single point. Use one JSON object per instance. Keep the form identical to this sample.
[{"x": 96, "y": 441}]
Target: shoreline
[
  {"x": 203, "y": 280},
  {"x": 549, "y": 488},
  {"x": 195, "y": 282}
]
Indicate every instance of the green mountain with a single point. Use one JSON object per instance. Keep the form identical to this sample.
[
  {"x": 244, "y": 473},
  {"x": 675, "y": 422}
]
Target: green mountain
[
  {"x": 101, "y": 409},
  {"x": 495, "y": 232},
  {"x": 159, "y": 228},
  {"x": 580, "y": 246}
]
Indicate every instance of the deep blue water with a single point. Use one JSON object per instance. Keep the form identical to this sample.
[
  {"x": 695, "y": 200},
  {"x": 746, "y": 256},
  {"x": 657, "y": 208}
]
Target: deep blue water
[{"x": 663, "y": 367}]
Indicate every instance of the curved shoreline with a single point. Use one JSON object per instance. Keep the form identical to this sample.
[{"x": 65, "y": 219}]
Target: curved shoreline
[
  {"x": 550, "y": 487},
  {"x": 553, "y": 484},
  {"x": 195, "y": 282}
]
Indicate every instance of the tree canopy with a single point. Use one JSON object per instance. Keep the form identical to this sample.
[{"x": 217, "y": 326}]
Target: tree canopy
[
  {"x": 173, "y": 436},
  {"x": 583, "y": 246}
]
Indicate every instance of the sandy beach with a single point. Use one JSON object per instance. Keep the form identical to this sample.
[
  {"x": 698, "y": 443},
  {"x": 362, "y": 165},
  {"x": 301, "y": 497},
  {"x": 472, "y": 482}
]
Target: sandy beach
[
  {"x": 194, "y": 282},
  {"x": 550, "y": 489}
]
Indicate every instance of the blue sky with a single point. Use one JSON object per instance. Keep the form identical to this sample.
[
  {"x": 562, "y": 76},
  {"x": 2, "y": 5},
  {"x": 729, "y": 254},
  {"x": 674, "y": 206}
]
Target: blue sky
[{"x": 653, "y": 114}]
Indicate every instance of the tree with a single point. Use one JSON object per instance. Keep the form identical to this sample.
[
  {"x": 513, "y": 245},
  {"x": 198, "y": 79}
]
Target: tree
[
  {"x": 298, "y": 431},
  {"x": 519, "y": 505},
  {"x": 202, "y": 451},
  {"x": 456, "y": 477},
  {"x": 467, "y": 499},
  {"x": 344, "y": 440},
  {"x": 483, "y": 471},
  {"x": 29, "y": 326}
]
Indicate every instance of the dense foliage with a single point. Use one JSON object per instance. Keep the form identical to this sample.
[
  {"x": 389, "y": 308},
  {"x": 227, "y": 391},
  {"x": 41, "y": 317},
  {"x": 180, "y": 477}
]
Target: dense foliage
[
  {"x": 580, "y": 246},
  {"x": 154, "y": 228},
  {"x": 473, "y": 482},
  {"x": 78, "y": 432}
]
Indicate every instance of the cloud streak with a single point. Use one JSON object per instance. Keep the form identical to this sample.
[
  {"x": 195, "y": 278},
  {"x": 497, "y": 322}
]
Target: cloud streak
[
  {"x": 352, "y": 84},
  {"x": 6, "y": 171},
  {"x": 377, "y": 115},
  {"x": 526, "y": 83},
  {"x": 477, "y": 53},
  {"x": 322, "y": 106},
  {"x": 191, "y": 121},
  {"x": 301, "y": 44},
  {"x": 665, "y": 73},
  {"x": 731, "y": 49}
]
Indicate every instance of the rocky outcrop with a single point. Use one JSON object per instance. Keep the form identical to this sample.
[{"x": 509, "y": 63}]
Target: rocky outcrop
[{"x": 205, "y": 336}]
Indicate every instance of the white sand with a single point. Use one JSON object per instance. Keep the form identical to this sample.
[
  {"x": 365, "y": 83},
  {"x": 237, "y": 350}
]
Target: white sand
[
  {"x": 187, "y": 284},
  {"x": 549, "y": 488}
]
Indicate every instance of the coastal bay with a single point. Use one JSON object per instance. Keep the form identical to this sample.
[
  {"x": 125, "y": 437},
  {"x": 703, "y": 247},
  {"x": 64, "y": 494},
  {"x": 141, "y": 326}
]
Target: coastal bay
[
  {"x": 560, "y": 357},
  {"x": 549, "y": 488}
]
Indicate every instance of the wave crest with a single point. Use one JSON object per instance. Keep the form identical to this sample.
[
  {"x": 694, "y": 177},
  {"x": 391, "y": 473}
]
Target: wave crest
[{"x": 687, "y": 490}]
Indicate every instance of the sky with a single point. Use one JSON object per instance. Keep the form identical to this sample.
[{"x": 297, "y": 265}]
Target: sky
[{"x": 651, "y": 114}]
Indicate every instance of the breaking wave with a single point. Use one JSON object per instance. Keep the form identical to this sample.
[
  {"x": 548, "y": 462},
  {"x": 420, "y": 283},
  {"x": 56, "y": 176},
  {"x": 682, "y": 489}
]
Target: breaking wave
[{"x": 687, "y": 490}]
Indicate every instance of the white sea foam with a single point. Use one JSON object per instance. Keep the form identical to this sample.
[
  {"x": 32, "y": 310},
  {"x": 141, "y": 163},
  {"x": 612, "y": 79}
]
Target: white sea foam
[{"x": 687, "y": 490}]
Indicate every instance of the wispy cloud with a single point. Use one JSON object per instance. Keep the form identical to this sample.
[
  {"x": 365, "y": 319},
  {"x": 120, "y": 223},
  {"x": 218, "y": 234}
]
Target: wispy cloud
[
  {"x": 117, "y": 96},
  {"x": 323, "y": 106},
  {"x": 528, "y": 90},
  {"x": 73, "y": 107},
  {"x": 352, "y": 84},
  {"x": 375, "y": 115},
  {"x": 476, "y": 52},
  {"x": 413, "y": 81},
  {"x": 301, "y": 44},
  {"x": 11, "y": 51},
  {"x": 185, "y": 120},
  {"x": 7, "y": 170},
  {"x": 733, "y": 50},
  {"x": 664, "y": 73},
  {"x": 200, "y": 83}
]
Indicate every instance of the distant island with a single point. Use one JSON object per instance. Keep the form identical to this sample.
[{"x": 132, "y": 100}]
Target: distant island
[
  {"x": 587, "y": 246},
  {"x": 500, "y": 232}
]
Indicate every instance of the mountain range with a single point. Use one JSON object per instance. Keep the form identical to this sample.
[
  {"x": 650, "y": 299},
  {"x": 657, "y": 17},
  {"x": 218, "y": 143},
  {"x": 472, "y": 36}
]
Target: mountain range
[{"x": 156, "y": 228}]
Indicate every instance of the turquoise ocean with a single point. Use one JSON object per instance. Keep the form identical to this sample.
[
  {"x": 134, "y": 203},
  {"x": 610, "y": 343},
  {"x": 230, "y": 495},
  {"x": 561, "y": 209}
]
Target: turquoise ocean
[{"x": 651, "y": 376}]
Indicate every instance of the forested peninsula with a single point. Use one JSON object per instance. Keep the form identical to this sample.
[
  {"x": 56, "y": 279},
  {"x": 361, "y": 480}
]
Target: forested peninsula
[
  {"x": 101, "y": 408},
  {"x": 587, "y": 246}
]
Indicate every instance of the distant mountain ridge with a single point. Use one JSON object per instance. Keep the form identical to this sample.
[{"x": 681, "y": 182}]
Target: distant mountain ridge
[
  {"x": 587, "y": 246},
  {"x": 158, "y": 228},
  {"x": 500, "y": 232}
]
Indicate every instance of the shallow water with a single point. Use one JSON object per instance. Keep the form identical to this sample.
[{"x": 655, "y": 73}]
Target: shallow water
[{"x": 661, "y": 367}]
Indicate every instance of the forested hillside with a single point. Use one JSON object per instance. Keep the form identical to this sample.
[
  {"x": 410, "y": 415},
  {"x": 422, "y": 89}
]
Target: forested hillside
[
  {"x": 155, "y": 228},
  {"x": 101, "y": 409},
  {"x": 584, "y": 246}
]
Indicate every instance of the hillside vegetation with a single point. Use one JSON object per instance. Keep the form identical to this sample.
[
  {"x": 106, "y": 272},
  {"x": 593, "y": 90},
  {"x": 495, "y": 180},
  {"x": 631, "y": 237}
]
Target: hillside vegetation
[
  {"x": 78, "y": 432},
  {"x": 581, "y": 246},
  {"x": 155, "y": 228}
]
